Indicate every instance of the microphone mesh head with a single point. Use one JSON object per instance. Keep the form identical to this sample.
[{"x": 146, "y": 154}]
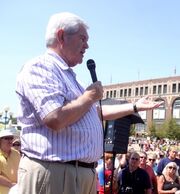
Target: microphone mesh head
[{"x": 91, "y": 64}]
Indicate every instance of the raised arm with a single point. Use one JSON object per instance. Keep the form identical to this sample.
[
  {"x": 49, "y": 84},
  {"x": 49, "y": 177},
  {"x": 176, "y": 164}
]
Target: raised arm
[{"x": 111, "y": 112}]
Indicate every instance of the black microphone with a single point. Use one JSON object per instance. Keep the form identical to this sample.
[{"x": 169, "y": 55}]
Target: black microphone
[{"x": 92, "y": 66}]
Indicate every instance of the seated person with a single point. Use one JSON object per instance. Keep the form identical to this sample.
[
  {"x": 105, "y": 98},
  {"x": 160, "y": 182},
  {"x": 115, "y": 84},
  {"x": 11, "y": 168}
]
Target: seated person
[
  {"x": 133, "y": 179},
  {"x": 9, "y": 160},
  {"x": 169, "y": 181}
]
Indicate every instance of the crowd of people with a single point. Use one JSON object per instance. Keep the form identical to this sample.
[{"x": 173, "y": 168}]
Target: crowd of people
[{"x": 141, "y": 172}]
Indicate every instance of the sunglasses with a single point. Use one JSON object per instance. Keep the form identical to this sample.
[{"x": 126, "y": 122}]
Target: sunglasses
[
  {"x": 135, "y": 159},
  {"x": 16, "y": 144},
  {"x": 8, "y": 138},
  {"x": 150, "y": 159},
  {"x": 171, "y": 167},
  {"x": 143, "y": 157}
]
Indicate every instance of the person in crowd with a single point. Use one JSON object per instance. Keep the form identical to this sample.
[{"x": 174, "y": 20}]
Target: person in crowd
[
  {"x": 62, "y": 133},
  {"x": 100, "y": 165},
  {"x": 120, "y": 162},
  {"x": 9, "y": 160},
  {"x": 169, "y": 181},
  {"x": 172, "y": 153},
  {"x": 143, "y": 164},
  {"x": 132, "y": 179},
  {"x": 160, "y": 156},
  {"x": 146, "y": 146},
  {"x": 141, "y": 144},
  {"x": 152, "y": 161},
  {"x": 178, "y": 155},
  {"x": 105, "y": 177}
]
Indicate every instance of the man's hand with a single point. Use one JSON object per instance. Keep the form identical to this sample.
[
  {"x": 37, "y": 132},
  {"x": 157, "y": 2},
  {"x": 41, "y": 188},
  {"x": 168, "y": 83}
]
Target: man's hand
[
  {"x": 94, "y": 91},
  {"x": 146, "y": 104}
]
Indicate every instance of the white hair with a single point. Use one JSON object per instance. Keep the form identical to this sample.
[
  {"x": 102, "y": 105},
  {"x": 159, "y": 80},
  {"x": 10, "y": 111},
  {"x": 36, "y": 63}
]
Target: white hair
[
  {"x": 66, "y": 21},
  {"x": 170, "y": 164}
]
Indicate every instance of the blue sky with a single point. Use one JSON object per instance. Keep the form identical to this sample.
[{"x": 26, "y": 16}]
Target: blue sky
[{"x": 130, "y": 40}]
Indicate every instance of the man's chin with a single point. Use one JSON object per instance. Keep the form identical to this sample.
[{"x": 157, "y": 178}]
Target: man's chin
[
  {"x": 76, "y": 62},
  {"x": 80, "y": 61}
]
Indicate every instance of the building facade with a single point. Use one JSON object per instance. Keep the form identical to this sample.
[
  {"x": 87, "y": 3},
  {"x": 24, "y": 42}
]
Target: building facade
[{"x": 166, "y": 89}]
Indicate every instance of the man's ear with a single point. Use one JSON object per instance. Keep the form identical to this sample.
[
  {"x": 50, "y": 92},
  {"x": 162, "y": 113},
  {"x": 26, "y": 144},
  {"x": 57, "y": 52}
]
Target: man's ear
[{"x": 60, "y": 35}]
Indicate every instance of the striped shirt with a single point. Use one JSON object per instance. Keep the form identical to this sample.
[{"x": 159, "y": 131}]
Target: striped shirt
[{"x": 43, "y": 85}]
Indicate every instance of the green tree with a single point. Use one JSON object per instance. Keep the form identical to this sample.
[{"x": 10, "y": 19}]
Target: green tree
[
  {"x": 152, "y": 130},
  {"x": 161, "y": 130},
  {"x": 173, "y": 130},
  {"x": 132, "y": 130}
]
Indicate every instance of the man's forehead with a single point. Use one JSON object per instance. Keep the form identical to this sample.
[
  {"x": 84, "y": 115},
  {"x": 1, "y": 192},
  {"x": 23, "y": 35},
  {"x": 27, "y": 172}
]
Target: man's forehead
[
  {"x": 135, "y": 155},
  {"x": 173, "y": 149}
]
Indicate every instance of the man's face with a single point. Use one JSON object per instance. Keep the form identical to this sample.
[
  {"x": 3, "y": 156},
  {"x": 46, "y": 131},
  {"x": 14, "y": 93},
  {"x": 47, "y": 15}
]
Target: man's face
[
  {"x": 173, "y": 153},
  {"x": 109, "y": 161},
  {"x": 75, "y": 46},
  {"x": 143, "y": 159},
  {"x": 134, "y": 160}
]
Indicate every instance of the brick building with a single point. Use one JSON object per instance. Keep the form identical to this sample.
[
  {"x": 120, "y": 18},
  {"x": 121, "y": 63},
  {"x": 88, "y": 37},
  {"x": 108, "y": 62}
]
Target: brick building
[{"x": 166, "y": 89}]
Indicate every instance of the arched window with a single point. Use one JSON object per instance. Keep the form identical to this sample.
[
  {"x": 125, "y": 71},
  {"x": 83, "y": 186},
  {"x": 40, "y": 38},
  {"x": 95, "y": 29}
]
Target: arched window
[
  {"x": 176, "y": 108},
  {"x": 159, "y": 113}
]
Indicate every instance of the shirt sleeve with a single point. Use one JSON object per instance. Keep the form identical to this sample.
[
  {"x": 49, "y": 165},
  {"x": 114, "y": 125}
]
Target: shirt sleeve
[{"x": 43, "y": 88}]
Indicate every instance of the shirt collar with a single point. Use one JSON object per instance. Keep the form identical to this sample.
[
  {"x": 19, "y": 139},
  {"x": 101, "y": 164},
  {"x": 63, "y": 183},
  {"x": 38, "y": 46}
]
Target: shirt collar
[
  {"x": 60, "y": 61},
  {"x": 6, "y": 155}
]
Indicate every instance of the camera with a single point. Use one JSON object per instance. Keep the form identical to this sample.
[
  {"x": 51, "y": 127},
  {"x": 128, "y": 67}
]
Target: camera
[{"x": 127, "y": 190}]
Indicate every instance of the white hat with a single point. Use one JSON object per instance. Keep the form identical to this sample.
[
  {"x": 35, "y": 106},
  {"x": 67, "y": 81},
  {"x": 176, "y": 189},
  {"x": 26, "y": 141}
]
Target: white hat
[{"x": 8, "y": 132}]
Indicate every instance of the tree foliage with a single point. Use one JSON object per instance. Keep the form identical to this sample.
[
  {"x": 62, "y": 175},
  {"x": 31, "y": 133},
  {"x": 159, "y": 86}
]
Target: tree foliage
[
  {"x": 169, "y": 129},
  {"x": 173, "y": 130},
  {"x": 152, "y": 130},
  {"x": 132, "y": 130}
]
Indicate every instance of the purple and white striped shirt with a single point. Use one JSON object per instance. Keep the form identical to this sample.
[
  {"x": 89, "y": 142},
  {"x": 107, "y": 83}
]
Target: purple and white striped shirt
[{"x": 43, "y": 85}]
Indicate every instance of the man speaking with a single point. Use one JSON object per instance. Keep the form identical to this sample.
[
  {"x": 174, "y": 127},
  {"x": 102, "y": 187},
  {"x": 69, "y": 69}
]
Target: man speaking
[{"x": 62, "y": 135}]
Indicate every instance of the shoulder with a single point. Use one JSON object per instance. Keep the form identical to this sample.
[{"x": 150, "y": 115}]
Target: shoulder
[
  {"x": 177, "y": 161},
  {"x": 125, "y": 170},
  {"x": 142, "y": 172},
  {"x": 43, "y": 61},
  {"x": 164, "y": 161},
  {"x": 2, "y": 157},
  {"x": 149, "y": 168},
  {"x": 161, "y": 161},
  {"x": 161, "y": 178}
]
